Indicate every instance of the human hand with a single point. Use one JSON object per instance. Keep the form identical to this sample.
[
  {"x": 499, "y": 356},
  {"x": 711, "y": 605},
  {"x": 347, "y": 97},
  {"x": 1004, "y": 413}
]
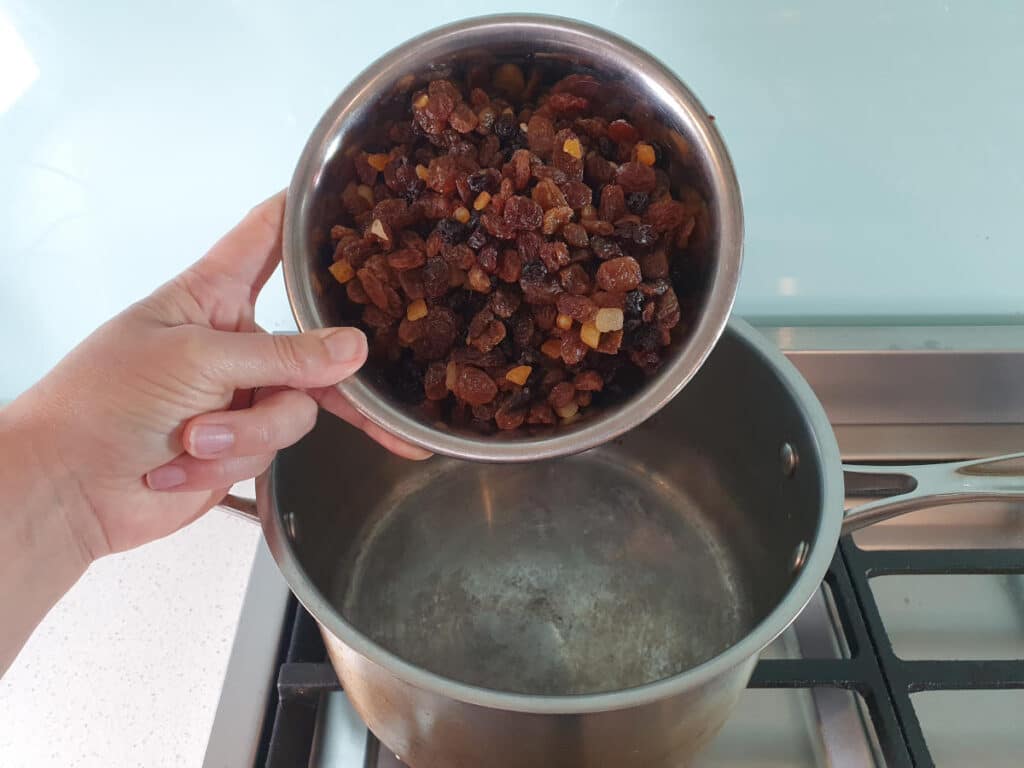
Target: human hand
[{"x": 183, "y": 392}]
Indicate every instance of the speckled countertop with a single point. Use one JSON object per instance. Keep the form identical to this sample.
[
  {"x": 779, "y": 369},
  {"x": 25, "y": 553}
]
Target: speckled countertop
[{"x": 127, "y": 669}]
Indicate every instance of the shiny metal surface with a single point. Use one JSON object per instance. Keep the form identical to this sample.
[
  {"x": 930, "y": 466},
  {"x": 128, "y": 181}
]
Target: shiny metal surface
[
  {"x": 698, "y": 155},
  {"x": 595, "y": 574},
  {"x": 466, "y": 606},
  {"x": 910, "y": 488},
  {"x": 695, "y": 495},
  {"x": 922, "y": 393}
]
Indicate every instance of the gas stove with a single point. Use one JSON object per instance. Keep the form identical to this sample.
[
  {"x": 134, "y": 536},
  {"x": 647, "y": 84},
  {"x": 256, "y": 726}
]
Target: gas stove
[{"x": 911, "y": 653}]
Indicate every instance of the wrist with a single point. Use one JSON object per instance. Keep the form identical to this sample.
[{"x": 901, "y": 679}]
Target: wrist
[{"x": 34, "y": 477}]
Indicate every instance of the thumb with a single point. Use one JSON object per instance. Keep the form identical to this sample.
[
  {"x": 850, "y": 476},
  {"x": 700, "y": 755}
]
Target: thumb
[{"x": 318, "y": 358}]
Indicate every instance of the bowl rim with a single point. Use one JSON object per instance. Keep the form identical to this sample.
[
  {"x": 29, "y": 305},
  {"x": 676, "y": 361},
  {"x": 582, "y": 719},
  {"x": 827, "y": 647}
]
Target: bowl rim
[{"x": 711, "y": 322}]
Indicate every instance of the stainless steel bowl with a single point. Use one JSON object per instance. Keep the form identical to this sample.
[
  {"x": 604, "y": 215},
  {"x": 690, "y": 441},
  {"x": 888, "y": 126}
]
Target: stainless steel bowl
[{"x": 697, "y": 156}]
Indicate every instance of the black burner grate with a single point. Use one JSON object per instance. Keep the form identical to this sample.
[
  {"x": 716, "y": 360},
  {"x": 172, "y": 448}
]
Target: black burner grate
[{"x": 883, "y": 680}]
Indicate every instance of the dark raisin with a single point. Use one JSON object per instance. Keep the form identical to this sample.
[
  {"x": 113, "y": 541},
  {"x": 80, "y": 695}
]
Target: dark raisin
[
  {"x": 505, "y": 127},
  {"x": 637, "y": 202},
  {"x": 477, "y": 238},
  {"x": 604, "y": 248},
  {"x": 645, "y": 338},
  {"x": 534, "y": 271},
  {"x": 486, "y": 180},
  {"x": 451, "y": 231},
  {"x": 634, "y": 302}
]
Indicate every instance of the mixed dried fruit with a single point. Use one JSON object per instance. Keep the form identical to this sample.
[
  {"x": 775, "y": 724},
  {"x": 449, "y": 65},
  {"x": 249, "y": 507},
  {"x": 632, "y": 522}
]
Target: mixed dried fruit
[{"x": 515, "y": 252}]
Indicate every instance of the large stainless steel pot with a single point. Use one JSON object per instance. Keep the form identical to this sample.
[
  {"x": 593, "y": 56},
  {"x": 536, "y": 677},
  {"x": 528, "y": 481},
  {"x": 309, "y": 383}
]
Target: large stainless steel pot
[{"x": 605, "y": 609}]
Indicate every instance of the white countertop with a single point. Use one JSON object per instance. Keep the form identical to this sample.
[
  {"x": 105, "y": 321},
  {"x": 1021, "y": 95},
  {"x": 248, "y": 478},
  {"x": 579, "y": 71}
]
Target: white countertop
[
  {"x": 877, "y": 147},
  {"x": 126, "y": 670}
]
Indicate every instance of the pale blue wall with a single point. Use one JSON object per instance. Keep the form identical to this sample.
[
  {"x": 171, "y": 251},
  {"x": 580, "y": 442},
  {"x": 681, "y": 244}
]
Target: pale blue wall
[{"x": 879, "y": 145}]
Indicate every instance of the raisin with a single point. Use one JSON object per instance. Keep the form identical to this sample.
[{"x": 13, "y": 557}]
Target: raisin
[
  {"x": 589, "y": 381},
  {"x": 355, "y": 291},
  {"x": 555, "y": 218},
  {"x": 567, "y": 102},
  {"x": 622, "y": 132},
  {"x": 451, "y": 231},
  {"x": 438, "y": 336},
  {"x": 528, "y": 245},
  {"x": 478, "y": 280},
  {"x": 520, "y": 169},
  {"x": 484, "y": 180},
  {"x": 579, "y": 308},
  {"x": 598, "y": 227},
  {"x": 540, "y": 413},
  {"x": 411, "y": 281},
  {"x": 645, "y": 338},
  {"x": 463, "y": 119},
  {"x": 643, "y": 235},
  {"x": 619, "y": 274},
  {"x": 634, "y": 302},
  {"x": 435, "y": 278},
  {"x": 665, "y": 215},
  {"x": 567, "y": 163},
  {"x": 523, "y": 213},
  {"x": 376, "y": 318},
  {"x": 509, "y": 266},
  {"x": 575, "y": 235},
  {"x": 504, "y": 302},
  {"x": 550, "y": 172},
  {"x": 540, "y": 133},
  {"x": 610, "y": 299},
  {"x": 562, "y": 394},
  {"x": 522, "y": 329},
  {"x": 637, "y": 202},
  {"x": 654, "y": 264},
  {"x": 534, "y": 271},
  {"x": 573, "y": 348},
  {"x": 636, "y": 177},
  {"x": 441, "y": 174},
  {"x": 487, "y": 258},
  {"x": 577, "y": 194},
  {"x": 613, "y": 203},
  {"x": 548, "y": 195},
  {"x": 484, "y": 413},
  {"x": 460, "y": 256},
  {"x": 655, "y": 287},
  {"x": 667, "y": 314},
  {"x": 477, "y": 238},
  {"x": 575, "y": 280},
  {"x": 499, "y": 227},
  {"x": 554, "y": 255},
  {"x": 485, "y": 331},
  {"x": 475, "y": 386},
  {"x": 597, "y": 170},
  {"x": 508, "y": 418},
  {"x": 604, "y": 248},
  {"x": 544, "y": 316},
  {"x": 407, "y": 258},
  {"x": 505, "y": 127},
  {"x": 435, "y": 381}
]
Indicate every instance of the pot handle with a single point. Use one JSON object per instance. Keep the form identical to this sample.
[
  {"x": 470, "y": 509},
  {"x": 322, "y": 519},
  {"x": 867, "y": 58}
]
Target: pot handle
[
  {"x": 897, "y": 490},
  {"x": 240, "y": 507}
]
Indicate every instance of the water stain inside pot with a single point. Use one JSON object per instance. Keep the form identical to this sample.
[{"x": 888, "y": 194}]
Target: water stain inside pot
[{"x": 575, "y": 577}]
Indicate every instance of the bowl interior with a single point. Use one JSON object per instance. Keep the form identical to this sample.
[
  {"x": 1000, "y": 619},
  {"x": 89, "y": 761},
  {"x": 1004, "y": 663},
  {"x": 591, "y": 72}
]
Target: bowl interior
[{"x": 704, "y": 277}]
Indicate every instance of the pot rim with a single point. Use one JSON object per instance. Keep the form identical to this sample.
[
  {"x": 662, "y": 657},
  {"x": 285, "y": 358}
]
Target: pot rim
[
  {"x": 820, "y": 554},
  {"x": 571, "y": 35}
]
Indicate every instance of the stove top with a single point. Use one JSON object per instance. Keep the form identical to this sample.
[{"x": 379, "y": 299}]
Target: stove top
[
  {"x": 904, "y": 657},
  {"x": 911, "y": 654}
]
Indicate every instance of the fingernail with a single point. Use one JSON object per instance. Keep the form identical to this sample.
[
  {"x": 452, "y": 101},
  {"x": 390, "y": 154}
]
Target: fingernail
[
  {"x": 168, "y": 476},
  {"x": 210, "y": 439},
  {"x": 345, "y": 344}
]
